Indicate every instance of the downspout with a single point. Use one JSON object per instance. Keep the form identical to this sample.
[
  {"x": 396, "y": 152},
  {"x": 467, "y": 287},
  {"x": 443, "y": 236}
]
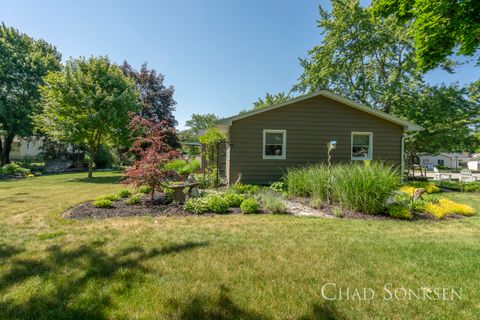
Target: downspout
[{"x": 405, "y": 136}]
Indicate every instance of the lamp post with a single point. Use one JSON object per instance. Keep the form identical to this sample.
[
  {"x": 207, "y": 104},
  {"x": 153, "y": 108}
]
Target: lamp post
[{"x": 330, "y": 146}]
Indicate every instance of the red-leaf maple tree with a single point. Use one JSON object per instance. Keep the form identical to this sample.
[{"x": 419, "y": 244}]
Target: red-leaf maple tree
[{"x": 152, "y": 153}]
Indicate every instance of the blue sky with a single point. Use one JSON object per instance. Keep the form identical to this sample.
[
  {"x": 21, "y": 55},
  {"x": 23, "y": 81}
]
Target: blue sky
[{"x": 219, "y": 55}]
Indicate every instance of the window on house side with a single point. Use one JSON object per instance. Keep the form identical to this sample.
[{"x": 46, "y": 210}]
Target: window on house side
[
  {"x": 362, "y": 146},
  {"x": 274, "y": 144}
]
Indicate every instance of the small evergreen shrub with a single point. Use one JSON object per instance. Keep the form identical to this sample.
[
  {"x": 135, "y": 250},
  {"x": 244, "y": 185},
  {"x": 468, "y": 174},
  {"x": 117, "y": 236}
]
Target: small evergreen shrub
[
  {"x": 234, "y": 200},
  {"x": 196, "y": 205},
  {"x": 217, "y": 204},
  {"x": 124, "y": 193},
  {"x": 144, "y": 189},
  {"x": 249, "y": 205},
  {"x": 102, "y": 203},
  {"x": 111, "y": 197},
  {"x": 399, "y": 211},
  {"x": 134, "y": 199}
]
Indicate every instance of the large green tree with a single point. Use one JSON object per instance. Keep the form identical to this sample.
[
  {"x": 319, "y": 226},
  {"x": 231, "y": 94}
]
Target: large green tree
[
  {"x": 88, "y": 103},
  {"x": 449, "y": 118},
  {"x": 23, "y": 63},
  {"x": 271, "y": 99},
  {"x": 196, "y": 124},
  {"x": 368, "y": 60},
  {"x": 437, "y": 26}
]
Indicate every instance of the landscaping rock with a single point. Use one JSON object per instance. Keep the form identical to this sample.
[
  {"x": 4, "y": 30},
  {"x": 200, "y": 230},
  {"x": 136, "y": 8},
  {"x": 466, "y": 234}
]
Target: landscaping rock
[{"x": 299, "y": 209}]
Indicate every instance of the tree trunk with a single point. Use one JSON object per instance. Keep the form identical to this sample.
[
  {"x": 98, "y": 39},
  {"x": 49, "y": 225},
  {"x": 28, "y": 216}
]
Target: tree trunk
[
  {"x": 153, "y": 193},
  {"x": 5, "y": 153},
  {"x": 91, "y": 151}
]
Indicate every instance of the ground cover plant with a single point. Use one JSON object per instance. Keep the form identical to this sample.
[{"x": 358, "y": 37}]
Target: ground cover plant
[{"x": 224, "y": 266}]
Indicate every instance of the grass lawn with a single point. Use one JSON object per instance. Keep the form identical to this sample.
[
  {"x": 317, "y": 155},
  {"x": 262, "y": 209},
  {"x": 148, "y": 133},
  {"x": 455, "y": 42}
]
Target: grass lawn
[{"x": 222, "y": 267}]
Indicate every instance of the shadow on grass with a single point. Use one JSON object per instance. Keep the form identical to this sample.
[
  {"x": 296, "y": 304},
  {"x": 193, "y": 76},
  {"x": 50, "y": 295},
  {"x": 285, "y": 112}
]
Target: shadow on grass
[
  {"x": 97, "y": 180},
  {"x": 222, "y": 307},
  {"x": 77, "y": 283},
  {"x": 7, "y": 251}
]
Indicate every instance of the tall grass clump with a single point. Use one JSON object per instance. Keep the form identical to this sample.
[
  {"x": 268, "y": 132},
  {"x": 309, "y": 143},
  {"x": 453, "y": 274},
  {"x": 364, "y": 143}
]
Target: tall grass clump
[
  {"x": 307, "y": 181},
  {"x": 364, "y": 188}
]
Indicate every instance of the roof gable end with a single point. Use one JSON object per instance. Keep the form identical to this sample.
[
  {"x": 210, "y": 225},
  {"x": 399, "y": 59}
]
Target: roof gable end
[{"x": 409, "y": 126}]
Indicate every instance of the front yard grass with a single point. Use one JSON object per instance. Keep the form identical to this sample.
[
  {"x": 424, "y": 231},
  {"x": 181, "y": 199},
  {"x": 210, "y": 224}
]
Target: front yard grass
[{"x": 221, "y": 267}]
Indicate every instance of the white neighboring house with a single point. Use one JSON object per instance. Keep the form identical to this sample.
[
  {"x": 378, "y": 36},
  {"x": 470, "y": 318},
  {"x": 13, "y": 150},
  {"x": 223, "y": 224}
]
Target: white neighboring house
[
  {"x": 449, "y": 160},
  {"x": 28, "y": 147}
]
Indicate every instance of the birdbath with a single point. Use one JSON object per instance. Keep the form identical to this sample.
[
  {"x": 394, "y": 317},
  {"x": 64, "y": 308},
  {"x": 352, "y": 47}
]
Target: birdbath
[{"x": 178, "y": 194}]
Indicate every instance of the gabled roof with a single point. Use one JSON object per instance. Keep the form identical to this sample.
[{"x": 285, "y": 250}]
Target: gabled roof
[{"x": 409, "y": 126}]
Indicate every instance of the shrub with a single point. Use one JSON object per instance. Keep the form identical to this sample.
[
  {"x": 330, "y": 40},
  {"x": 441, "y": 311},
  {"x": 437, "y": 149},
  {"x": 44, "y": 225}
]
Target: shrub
[
  {"x": 102, "y": 203},
  {"x": 399, "y": 211},
  {"x": 134, "y": 199},
  {"x": 364, "y": 188},
  {"x": 196, "y": 205},
  {"x": 207, "y": 181},
  {"x": 124, "y": 193},
  {"x": 445, "y": 207},
  {"x": 246, "y": 188},
  {"x": 272, "y": 202},
  {"x": 249, "y": 205},
  {"x": 14, "y": 168},
  {"x": 217, "y": 204},
  {"x": 111, "y": 197},
  {"x": 278, "y": 186},
  {"x": 460, "y": 186},
  {"x": 144, "y": 189},
  {"x": 234, "y": 200}
]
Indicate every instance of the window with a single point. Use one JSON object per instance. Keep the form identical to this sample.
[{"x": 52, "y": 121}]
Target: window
[
  {"x": 274, "y": 142},
  {"x": 362, "y": 147},
  {"x": 441, "y": 162}
]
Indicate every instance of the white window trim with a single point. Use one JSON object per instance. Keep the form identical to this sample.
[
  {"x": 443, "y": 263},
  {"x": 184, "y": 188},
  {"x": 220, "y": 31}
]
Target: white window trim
[
  {"x": 284, "y": 145},
  {"x": 370, "y": 144}
]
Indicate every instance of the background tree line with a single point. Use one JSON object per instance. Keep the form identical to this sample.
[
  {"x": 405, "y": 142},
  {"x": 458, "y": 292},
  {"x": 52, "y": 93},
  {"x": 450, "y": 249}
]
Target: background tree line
[
  {"x": 378, "y": 56},
  {"x": 84, "y": 102}
]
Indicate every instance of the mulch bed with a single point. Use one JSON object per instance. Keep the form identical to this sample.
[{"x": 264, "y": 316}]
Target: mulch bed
[{"x": 145, "y": 208}]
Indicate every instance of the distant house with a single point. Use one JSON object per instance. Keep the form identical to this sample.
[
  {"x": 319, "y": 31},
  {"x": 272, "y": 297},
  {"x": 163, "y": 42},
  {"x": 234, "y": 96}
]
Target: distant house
[
  {"x": 29, "y": 147},
  {"x": 264, "y": 143},
  {"x": 449, "y": 160}
]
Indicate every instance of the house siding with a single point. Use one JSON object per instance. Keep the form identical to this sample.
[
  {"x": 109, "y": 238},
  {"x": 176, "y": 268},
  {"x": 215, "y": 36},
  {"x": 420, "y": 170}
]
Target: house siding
[{"x": 310, "y": 124}]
